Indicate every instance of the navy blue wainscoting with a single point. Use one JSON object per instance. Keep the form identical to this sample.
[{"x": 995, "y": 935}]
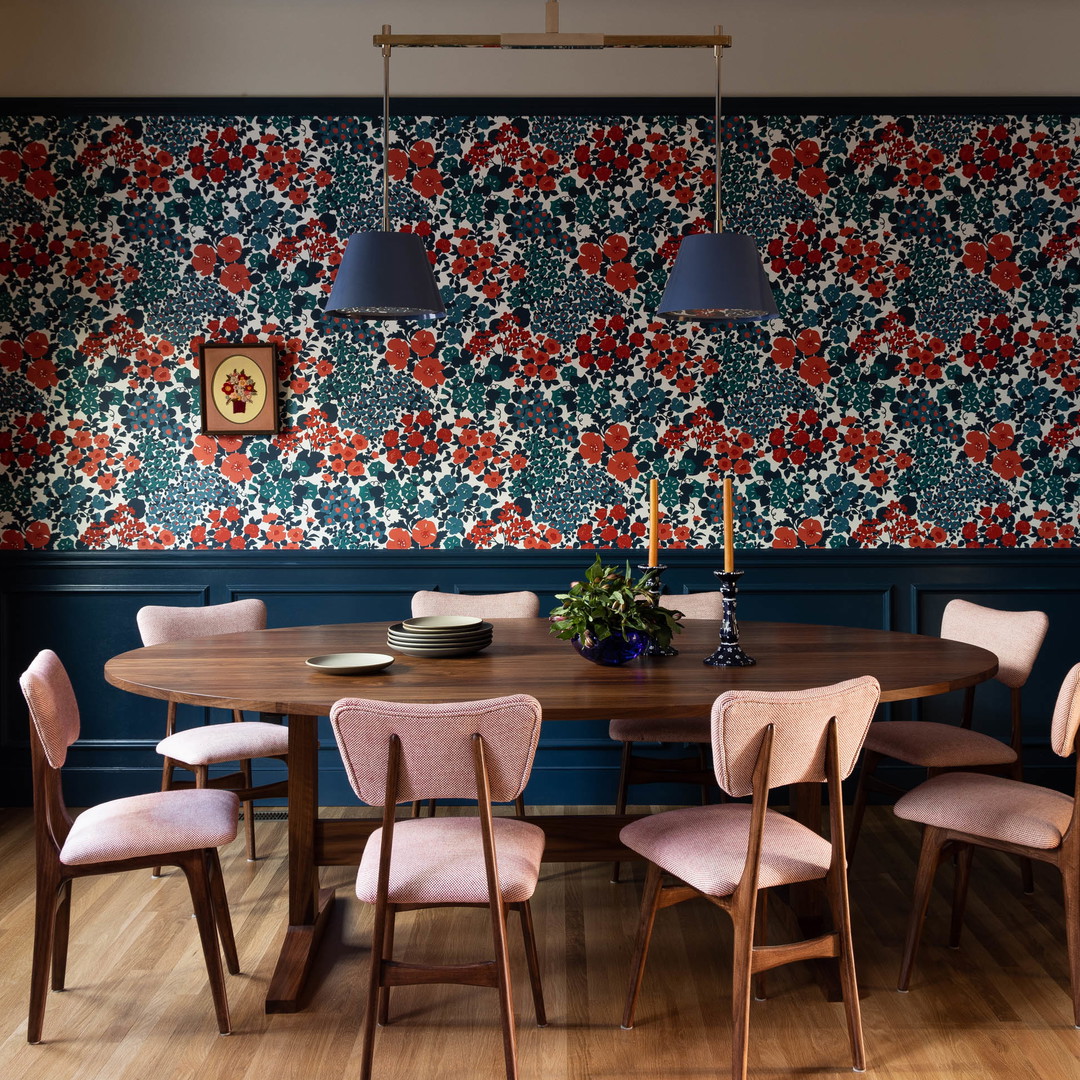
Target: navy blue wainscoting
[{"x": 83, "y": 606}]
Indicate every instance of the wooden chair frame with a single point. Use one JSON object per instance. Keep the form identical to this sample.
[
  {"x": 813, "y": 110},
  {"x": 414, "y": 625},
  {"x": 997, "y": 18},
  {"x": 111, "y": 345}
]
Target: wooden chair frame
[
  {"x": 239, "y": 781},
  {"x": 939, "y": 844},
  {"x": 52, "y": 916},
  {"x": 748, "y": 911},
  {"x": 386, "y": 972}
]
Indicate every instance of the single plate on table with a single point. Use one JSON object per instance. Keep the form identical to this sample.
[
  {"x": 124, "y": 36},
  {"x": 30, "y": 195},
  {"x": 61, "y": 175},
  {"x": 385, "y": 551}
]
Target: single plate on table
[
  {"x": 350, "y": 663},
  {"x": 442, "y": 622}
]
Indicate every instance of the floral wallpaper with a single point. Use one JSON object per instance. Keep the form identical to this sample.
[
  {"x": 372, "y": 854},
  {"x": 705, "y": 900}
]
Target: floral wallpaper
[{"x": 921, "y": 389}]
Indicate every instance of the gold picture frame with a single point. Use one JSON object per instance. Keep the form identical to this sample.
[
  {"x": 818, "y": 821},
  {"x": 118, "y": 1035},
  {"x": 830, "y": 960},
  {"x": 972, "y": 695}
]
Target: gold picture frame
[{"x": 239, "y": 388}]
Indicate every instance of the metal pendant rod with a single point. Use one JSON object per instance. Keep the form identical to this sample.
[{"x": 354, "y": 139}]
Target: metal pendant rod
[
  {"x": 386, "y": 132},
  {"x": 718, "y": 52}
]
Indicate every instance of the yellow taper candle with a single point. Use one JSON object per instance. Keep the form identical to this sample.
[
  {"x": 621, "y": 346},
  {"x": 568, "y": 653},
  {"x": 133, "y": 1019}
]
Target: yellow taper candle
[
  {"x": 729, "y": 528},
  {"x": 654, "y": 523}
]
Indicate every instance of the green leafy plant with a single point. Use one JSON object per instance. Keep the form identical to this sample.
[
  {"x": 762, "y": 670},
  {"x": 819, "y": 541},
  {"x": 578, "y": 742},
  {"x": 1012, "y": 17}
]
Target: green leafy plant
[{"x": 610, "y": 601}]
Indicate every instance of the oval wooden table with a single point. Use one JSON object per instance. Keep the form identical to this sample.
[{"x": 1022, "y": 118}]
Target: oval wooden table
[{"x": 265, "y": 671}]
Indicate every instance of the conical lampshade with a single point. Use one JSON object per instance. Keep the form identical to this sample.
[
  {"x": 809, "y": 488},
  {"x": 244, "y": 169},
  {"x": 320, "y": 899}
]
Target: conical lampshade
[
  {"x": 718, "y": 277},
  {"x": 385, "y": 275}
]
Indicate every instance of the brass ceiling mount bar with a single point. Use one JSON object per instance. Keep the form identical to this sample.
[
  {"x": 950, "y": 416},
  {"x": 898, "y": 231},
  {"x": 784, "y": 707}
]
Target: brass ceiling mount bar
[{"x": 552, "y": 39}]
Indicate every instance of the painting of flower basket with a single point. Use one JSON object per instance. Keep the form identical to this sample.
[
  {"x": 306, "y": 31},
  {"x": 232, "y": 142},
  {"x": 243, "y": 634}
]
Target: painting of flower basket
[{"x": 239, "y": 389}]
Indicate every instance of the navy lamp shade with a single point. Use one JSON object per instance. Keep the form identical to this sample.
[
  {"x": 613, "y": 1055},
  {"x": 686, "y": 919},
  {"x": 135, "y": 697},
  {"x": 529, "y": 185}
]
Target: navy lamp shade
[
  {"x": 718, "y": 277},
  {"x": 385, "y": 275}
]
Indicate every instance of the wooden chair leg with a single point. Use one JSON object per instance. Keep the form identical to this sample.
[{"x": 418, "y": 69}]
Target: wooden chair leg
[
  {"x": 45, "y": 903},
  {"x": 858, "y": 810},
  {"x": 431, "y": 807},
  {"x": 620, "y": 798},
  {"x": 371, "y": 1006},
  {"x": 222, "y": 918},
  {"x": 249, "y": 810},
  {"x": 533, "y": 960},
  {"x": 929, "y": 856},
  {"x": 503, "y": 984},
  {"x": 960, "y": 889},
  {"x": 743, "y": 923},
  {"x": 650, "y": 901},
  {"x": 383, "y": 1017},
  {"x": 61, "y": 933},
  {"x": 761, "y": 937},
  {"x": 168, "y": 768},
  {"x": 1027, "y": 875},
  {"x": 194, "y": 866},
  {"x": 1070, "y": 885},
  {"x": 840, "y": 904},
  {"x": 519, "y": 806}
]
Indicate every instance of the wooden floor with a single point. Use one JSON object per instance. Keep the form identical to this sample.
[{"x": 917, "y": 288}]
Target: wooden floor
[{"x": 138, "y": 1005}]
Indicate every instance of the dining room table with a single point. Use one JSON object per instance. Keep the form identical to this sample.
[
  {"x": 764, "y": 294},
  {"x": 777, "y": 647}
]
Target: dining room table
[{"x": 266, "y": 671}]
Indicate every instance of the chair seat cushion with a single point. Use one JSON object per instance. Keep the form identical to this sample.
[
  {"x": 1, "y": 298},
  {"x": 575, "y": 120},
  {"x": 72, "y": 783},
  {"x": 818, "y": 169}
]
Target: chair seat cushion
[
  {"x": 155, "y": 824},
  {"x": 936, "y": 746},
  {"x": 441, "y": 861},
  {"x": 705, "y": 846},
  {"x": 225, "y": 742},
  {"x": 990, "y": 806},
  {"x": 689, "y": 730}
]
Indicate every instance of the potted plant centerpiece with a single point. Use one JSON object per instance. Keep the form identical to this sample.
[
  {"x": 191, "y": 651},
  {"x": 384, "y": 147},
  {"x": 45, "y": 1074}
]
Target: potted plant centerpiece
[{"x": 610, "y": 618}]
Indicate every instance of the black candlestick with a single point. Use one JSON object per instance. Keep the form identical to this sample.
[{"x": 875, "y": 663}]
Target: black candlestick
[
  {"x": 728, "y": 653},
  {"x": 654, "y": 595}
]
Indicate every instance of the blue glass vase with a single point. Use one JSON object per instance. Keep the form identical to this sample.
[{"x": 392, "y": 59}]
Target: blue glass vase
[{"x": 614, "y": 650}]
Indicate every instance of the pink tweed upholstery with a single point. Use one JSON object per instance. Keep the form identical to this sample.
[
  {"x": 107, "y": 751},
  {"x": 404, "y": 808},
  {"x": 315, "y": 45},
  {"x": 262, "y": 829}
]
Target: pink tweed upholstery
[
  {"x": 510, "y": 605},
  {"x": 156, "y": 824},
  {"x": 990, "y": 806},
  {"x": 54, "y": 711},
  {"x": 1066, "y": 714},
  {"x": 441, "y": 861},
  {"x": 932, "y": 745},
  {"x": 1014, "y": 637},
  {"x": 225, "y": 742},
  {"x": 692, "y": 730},
  {"x": 437, "y": 747},
  {"x": 801, "y": 718},
  {"x": 705, "y": 846},
  {"x": 698, "y": 605},
  {"x": 161, "y": 624}
]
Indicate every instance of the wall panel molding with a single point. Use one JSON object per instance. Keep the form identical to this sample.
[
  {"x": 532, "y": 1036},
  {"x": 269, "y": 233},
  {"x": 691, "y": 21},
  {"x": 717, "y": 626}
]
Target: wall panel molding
[{"x": 83, "y": 606}]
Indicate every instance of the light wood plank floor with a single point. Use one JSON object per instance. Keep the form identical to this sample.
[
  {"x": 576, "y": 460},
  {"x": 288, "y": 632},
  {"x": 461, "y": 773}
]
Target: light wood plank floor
[{"x": 138, "y": 1005}]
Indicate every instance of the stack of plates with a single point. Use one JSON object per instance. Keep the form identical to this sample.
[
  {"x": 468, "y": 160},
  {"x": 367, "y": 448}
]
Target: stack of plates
[{"x": 440, "y": 635}]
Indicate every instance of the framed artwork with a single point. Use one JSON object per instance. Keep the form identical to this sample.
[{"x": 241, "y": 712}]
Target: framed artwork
[{"x": 239, "y": 389}]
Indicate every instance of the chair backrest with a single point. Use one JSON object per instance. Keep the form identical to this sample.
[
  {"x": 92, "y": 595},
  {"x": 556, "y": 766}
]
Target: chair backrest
[
  {"x": 800, "y": 721},
  {"x": 508, "y": 605},
  {"x": 1066, "y": 719},
  {"x": 437, "y": 755},
  {"x": 695, "y": 605},
  {"x": 54, "y": 712},
  {"x": 160, "y": 624},
  {"x": 1014, "y": 637}
]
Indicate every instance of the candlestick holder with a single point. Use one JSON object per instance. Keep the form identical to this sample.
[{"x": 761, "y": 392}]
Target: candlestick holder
[
  {"x": 654, "y": 595},
  {"x": 728, "y": 653}
]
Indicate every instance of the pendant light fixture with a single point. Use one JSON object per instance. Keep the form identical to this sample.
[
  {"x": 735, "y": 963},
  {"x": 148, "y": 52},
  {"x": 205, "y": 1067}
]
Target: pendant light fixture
[
  {"x": 718, "y": 276},
  {"x": 385, "y": 275}
]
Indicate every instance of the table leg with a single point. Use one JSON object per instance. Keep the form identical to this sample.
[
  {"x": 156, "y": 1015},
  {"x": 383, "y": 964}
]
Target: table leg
[{"x": 309, "y": 905}]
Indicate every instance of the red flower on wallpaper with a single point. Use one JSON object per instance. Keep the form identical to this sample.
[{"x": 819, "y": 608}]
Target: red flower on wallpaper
[{"x": 235, "y": 277}]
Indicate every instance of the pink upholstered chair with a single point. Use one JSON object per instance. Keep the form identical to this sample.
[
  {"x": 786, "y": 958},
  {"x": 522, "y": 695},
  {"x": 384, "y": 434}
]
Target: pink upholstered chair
[
  {"x": 197, "y": 749},
  {"x": 174, "y": 828},
  {"x": 639, "y": 769},
  {"x": 960, "y": 811},
  {"x": 1015, "y": 637},
  {"x": 480, "y": 750},
  {"x": 510, "y": 605},
  {"x": 731, "y": 853}
]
